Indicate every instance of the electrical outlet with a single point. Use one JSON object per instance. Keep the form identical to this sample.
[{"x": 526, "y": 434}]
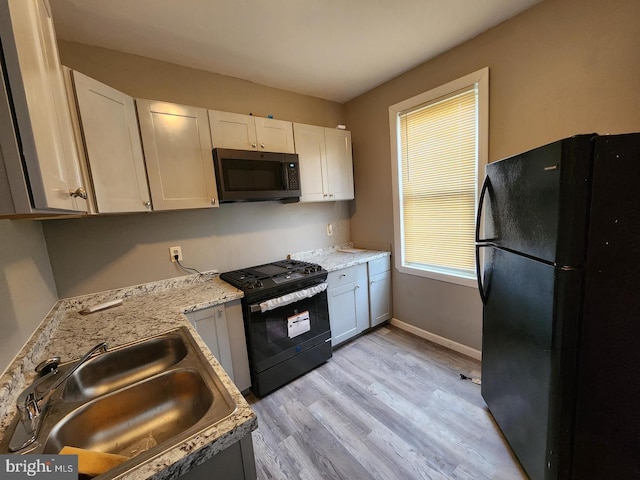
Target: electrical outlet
[
  {"x": 329, "y": 229},
  {"x": 175, "y": 251}
]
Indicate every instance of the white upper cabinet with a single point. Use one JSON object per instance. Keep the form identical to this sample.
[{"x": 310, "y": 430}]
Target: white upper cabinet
[
  {"x": 339, "y": 164},
  {"x": 178, "y": 152},
  {"x": 41, "y": 111},
  {"x": 312, "y": 154},
  {"x": 232, "y": 130},
  {"x": 112, "y": 146},
  {"x": 274, "y": 135},
  {"x": 326, "y": 164},
  {"x": 246, "y": 132}
]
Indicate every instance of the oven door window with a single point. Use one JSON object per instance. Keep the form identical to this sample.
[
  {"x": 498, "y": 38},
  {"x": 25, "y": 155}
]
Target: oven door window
[
  {"x": 277, "y": 331},
  {"x": 252, "y": 175}
]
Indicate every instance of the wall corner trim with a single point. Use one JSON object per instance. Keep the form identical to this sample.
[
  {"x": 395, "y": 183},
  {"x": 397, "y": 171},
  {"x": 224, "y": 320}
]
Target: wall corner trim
[{"x": 445, "y": 342}]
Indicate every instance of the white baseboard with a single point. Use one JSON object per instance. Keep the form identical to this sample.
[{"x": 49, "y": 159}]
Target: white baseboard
[{"x": 445, "y": 342}]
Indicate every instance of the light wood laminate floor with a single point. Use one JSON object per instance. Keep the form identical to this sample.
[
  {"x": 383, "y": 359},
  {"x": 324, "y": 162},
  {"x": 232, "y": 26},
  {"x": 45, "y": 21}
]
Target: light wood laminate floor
[{"x": 388, "y": 405}]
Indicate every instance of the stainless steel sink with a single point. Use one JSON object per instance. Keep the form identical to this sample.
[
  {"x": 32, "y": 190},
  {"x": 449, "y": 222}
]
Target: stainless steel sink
[
  {"x": 163, "y": 407},
  {"x": 124, "y": 366},
  {"x": 162, "y": 387}
]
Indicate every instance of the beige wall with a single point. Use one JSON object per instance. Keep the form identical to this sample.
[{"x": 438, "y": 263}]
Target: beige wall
[
  {"x": 561, "y": 68},
  {"x": 95, "y": 254},
  {"x": 27, "y": 289},
  {"x": 146, "y": 78}
]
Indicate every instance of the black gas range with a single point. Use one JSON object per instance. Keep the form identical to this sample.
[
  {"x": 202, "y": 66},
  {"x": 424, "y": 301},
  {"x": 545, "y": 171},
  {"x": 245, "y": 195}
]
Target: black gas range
[
  {"x": 275, "y": 278},
  {"x": 286, "y": 317}
]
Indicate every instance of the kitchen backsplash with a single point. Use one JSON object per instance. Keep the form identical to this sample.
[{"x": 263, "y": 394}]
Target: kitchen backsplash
[{"x": 95, "y": 254}]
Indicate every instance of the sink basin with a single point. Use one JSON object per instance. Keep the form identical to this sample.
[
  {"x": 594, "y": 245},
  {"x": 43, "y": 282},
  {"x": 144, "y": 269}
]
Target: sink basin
[
  {"x": 164, "y": 407},
  {"x": 124, "y": 366},
  {"x": 162, "y": 387}
]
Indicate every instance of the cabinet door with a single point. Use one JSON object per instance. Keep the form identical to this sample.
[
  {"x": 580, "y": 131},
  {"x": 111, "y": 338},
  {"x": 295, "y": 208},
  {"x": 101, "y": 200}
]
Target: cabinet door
[
  {"x": 348, "y": 303},
  {"x": 233, "y": 130},
  {"x": 343, "y": 314},
  {"x": 177, "y": 150},
  {"x": 40, "y": 104},
  {"x": 112, "y": 146},
  {"x": 238, "y": 344},
  {"x": 380, "y": 297},
  {"x": 211, "y": 325},
  {"x": 312, "y": 153},
  {"x": 339, "y": 164},
  {"x": 274, "y": 135}
]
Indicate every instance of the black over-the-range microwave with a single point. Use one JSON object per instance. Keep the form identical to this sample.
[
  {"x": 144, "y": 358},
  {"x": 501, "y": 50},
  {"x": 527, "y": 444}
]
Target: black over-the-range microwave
[{"x": 248, "y": 176}]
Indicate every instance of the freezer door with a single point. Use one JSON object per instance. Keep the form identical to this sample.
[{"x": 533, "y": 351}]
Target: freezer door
[
  {"x": 537, "y": 201},
  {"x": 529, "y": 349}
]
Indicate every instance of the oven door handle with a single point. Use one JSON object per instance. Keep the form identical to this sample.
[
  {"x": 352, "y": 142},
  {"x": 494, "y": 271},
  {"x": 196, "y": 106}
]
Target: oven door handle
[{"x": 287, "y": 299}]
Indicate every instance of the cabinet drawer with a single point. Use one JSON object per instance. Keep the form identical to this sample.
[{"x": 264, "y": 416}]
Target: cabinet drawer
[
  {"x": 379, "y": 265},
  {"x": 345, "y": 275}
]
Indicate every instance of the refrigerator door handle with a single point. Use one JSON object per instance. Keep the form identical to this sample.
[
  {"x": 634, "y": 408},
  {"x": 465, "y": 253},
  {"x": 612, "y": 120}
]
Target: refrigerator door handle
[
  {"x": 483, "y": 295},
  {"x": 481, "y": 242},
  {"x": 486, "y": 185}
]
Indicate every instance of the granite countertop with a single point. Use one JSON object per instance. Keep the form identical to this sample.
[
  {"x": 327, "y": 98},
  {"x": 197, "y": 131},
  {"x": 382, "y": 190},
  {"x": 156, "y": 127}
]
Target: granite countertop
[
  {"x": 148, "y": 310},
  {"x": 340, "y": 256}
]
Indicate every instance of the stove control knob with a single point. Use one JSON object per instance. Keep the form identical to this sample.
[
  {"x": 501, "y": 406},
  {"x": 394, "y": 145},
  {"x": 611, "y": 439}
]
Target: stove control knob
[
  {"x": 250, "y": 285},
  {"x": 259, "y": 284}
]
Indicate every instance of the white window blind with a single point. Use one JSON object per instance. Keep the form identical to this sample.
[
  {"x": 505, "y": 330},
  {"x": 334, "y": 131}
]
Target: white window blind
[{"x": 439, "y": 150}]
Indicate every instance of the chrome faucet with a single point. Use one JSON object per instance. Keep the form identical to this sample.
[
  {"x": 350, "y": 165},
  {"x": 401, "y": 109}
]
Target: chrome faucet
[{"x": 32, "y": 402}]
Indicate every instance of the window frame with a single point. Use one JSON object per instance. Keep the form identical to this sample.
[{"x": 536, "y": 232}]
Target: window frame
[{"x": 481, "y": 79}]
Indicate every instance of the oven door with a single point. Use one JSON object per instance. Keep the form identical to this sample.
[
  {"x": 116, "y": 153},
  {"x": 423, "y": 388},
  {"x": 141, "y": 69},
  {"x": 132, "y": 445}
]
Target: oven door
[{"x": 285, "y": 331}]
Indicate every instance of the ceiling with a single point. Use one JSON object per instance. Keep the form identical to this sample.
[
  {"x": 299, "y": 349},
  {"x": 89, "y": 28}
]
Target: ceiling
[{"x": 332, "y": 49}]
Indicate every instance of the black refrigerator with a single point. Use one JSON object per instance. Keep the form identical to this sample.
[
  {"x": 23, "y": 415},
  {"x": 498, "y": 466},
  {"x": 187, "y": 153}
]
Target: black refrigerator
[{"x": 558, "y": 262}]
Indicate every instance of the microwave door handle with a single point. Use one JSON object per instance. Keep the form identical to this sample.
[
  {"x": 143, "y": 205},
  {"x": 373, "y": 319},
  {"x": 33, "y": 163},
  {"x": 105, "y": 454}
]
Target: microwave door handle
[{"x": 285, "y": 176}]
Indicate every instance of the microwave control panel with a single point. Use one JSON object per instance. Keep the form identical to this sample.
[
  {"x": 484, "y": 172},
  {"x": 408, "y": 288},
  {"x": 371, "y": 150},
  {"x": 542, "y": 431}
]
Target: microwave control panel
[{"x": 293, "y": 181}]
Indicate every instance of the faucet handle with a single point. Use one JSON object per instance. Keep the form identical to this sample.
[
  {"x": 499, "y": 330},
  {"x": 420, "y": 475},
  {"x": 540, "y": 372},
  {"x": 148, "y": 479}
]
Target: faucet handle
[
  {"x": 32, "y": 409},
  {"x": 48, "y": 365}
]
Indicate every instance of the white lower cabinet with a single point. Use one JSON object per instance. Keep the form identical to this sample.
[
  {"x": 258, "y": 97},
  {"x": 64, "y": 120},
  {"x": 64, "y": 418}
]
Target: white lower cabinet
[
  {"x": 379, "y": 290},
  {"x": 348, "y": 303},
  {"x": 238, "y": 342},
  {"x": 359, "y": 298},
  {"x": 222, "y": 329}
]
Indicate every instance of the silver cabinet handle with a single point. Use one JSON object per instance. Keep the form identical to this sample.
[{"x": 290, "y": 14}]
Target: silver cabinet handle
[
  {"x": 213, "y": 201},
  {"x": 262, "y": 145},
  {"x": 78, "y": 192},
  {"x": 147, "y": 204},
  {"x": 253, "y": 145}
]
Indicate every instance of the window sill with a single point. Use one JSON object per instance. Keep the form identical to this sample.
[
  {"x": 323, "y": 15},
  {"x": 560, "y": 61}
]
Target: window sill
[{"x": 466, "y": 281}]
